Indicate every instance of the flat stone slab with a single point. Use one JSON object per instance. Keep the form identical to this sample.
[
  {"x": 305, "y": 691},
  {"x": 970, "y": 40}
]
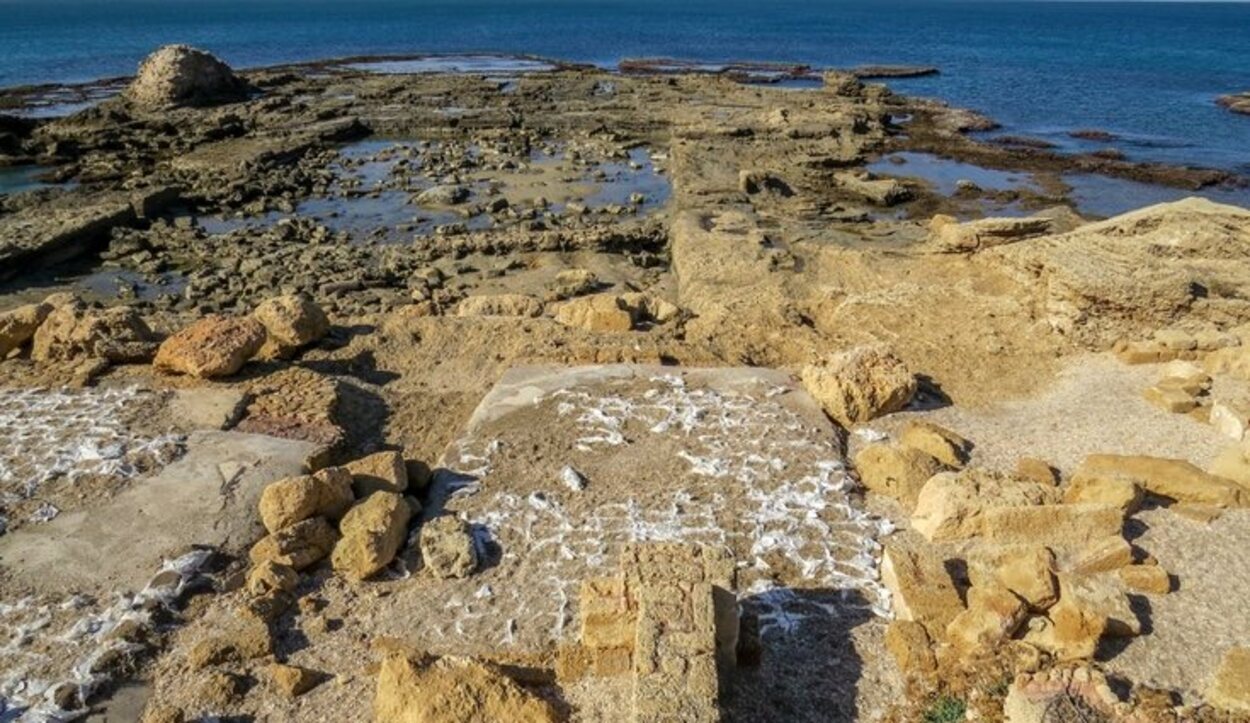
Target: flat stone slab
[
  {"x": 50, "y": 235},
  {"x": 560, "y": 468},
  {"x": 208, "y": 497}
]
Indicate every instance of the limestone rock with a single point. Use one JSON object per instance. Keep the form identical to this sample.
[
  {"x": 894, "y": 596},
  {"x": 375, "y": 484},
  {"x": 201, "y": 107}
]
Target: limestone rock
[
  {"x": 328, "y": 493},
  {"x": 452, "y": 689},
  {"x": 895, "y": 471},
  {"x": 1026, "y": 570},
  {"x": 300, "y": 546},
  {"x": 1103, "y": 555},
  {"x": 1231, "y": 416},
  {"x": 1169, "y": 478},
  {"x": 18, "y": 326},
  {"x": 1230, "y": 689},
  {"x": 75, "y": 331},
  {"x": 290, "y": 322},
  {"x": 599, "y": 312},
  {"x": 949, "y": 236},
  {"x": 1051, "y": 525},
  {"x": 234, "y": 639},
  {"x": 859, "y": 385},
  {"x": 921, "y": 588},
  {"x": 270, "y": 577},
  {"x": 878, "y": 191},
  {"x": 952, "y": 505},
  {"x": 447, "y": 194},
  {"x": 373, "y": 532},
  {"x": 1171, "y": 399},
  {"x": 1233, "y": 464},
  {"x": 291, "y": 681},
  {"x": 1037, "y": 470},
  {"x": 379, "y": 472},
  {"x": 447, "y": 547},
  {"x": 993, "y": 615},
  {"x": 178, "y": 75},
  {"x": 1123, "y": 493},
  {"x": 910, "y": 646},
  {"x": 215, "y": 346},
  {"x": 938, "y": 442},
  {"x": 500, "y": 305},
  {"x": 1150, "y": 579},
  {"x": 1100, "y": 595}
]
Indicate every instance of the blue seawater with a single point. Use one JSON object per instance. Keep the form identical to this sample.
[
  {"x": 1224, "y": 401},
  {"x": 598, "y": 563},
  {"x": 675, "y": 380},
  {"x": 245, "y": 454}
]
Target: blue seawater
[{"x": 1148, "y": 72}]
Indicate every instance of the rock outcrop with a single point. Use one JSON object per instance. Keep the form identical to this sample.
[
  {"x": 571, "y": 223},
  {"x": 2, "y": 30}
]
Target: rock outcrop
[{"x": 179, "y": 75}]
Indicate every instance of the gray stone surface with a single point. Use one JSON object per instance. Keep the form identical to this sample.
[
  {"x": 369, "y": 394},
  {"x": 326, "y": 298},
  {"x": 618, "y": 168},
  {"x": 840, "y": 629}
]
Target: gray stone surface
[{"x": 208, "y": 497}]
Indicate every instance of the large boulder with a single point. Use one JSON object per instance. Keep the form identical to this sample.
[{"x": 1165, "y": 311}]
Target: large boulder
[
  {"x": 373, "y": 532},
  {"x": 290, "y": 322},
  {"x": 179, "y": 75},
  {"x": 215, "y": 346},
  {"x": 859, "y": 385},
  {"x": 75, "y": 331}
]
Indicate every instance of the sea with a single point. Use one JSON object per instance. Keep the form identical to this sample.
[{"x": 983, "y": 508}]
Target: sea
[{"x": 1147, "y": 72}]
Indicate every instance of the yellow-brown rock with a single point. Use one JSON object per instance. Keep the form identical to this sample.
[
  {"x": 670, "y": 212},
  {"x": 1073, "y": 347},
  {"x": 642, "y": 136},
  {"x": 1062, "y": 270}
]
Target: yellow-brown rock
[
  {"x": 859, "y": 385},
  {"x": 382, "y": 471},
  {"x": 938, "y": 442},
  {"x": 299, "y": 546},
  {"x": 952, "y": 506},
  {"x": 910, "y": 646},
  {"x": 1149, "y": 579},
  {"x": 291, "y": 681},
  {"x": 1230, "y": 688},
  {"x": 452, "y": 689},
  {"x": 1122, "y": 493},
  {"x": 1172, "y": 479},
  {"x": 993, "y": 615},
  {"x": 921, "y": 588},
  {"x": 215, "y": 346},
  {"x": 598, "y": 312},
  {"x": 373, "y": 532},
  {"x": 327, "y": 493},
  {"x": 895, "y": 471}
]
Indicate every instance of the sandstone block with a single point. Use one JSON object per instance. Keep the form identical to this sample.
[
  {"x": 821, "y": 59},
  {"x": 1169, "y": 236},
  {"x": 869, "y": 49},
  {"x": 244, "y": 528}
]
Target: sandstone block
[
  {"x": 18, "y": 326},
  {"x": 290, "y": 681},
  {"x": 452, "y": 689},
  {"x": 1233, "y": 464},
  {"x": 372, "y": 534},
  {"x": 1037, "y": 470},
  {"x": 952, "y": 506},
  {"x": 1169, "y": 478},
  {"x": 73, "y": 331},
  {"x": 290, "y": 322},
  {"x": 1123, "y": 494},
  {"x": 1170, "y": 399},
  {"x": 1230, "y": 688},
  {"x": 215, "y": 346},
  {"x": 859, "y": 385},
  {"x": 1150, "y": 579},
  {"x": 328, "y": 493},
  {"x": 299, "y": 546},
  {"x": 1026, "y": 570},
  {"x": 938, "y": 442},
  {"x": 269, "y": 578},
  {"x": 910, "y": 646},
  {"x": 600, "y": 312},
  {"x": 1231, "y": 416},
  {"x": 1102, "y": 555},
  {"x": 992, "y": 616},
  {"x": 895, "y": 471},
  {"x": 1051, "y": 525},
  {"x": 921, "y": 588},
  {"x": 380, "y": 472},
  {"x": 609, "y": 615}
]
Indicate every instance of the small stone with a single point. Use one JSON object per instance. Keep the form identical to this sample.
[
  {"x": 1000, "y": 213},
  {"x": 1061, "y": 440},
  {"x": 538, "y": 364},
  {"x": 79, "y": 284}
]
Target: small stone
[
  {"x": 290, "y": 322},
  {"x": 447, "y": 547},
  {"x": 1037, "y": 470},
  {"x": 1150, "y": 579},
  {"x": 1171, "y": 400},
  {"x": 291, "y": 681}
]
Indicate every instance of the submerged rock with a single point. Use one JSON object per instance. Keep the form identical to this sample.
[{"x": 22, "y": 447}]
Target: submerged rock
[{"x": 180, "y": 75}]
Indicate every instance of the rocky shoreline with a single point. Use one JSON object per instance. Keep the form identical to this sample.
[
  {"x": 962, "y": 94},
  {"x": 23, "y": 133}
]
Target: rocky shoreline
[{"x": 542, "y": 392}]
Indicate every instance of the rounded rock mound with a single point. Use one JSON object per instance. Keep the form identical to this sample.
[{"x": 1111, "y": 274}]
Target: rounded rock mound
[{"x": 180, "y": 75}]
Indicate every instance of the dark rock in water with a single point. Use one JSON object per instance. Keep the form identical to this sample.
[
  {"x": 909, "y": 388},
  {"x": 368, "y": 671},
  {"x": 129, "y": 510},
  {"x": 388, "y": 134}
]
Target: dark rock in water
[
  {"x": 179, "y": 75},
  {"x": 1022, "y": 142},
  {"x": 1093, "y": 135},
  {"x": 867, "y": 72},
  {"x": 1236, "y": 102}
]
